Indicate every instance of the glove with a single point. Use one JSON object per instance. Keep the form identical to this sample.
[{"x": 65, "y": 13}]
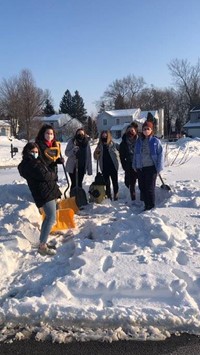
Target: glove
[{"x": 60, "y": 161}]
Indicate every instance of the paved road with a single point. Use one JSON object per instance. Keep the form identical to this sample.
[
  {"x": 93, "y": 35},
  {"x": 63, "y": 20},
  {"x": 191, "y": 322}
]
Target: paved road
[{"x": 183, "y": 345}]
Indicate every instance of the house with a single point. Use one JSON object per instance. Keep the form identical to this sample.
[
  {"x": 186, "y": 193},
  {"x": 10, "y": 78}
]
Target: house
[
  {"x": 158, "y": 118},
  {"x": 192, "y": 127},
  {"x": 64, "y": 125},
  {"x": 5, "y": 128},
  {"x": 117, "y": 120}
]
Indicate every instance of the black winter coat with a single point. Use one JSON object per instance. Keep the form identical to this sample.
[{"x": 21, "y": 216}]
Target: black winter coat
[
  {"x": 41, "y": 180},
  {"x": 124, "y": 153},
  {"x": 51, "y": 164}
]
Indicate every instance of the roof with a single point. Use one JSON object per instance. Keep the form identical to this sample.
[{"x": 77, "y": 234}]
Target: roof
[
  {"x": 192, "y": 125},
  {"x": 121, "y": 113},
  {"x": 145, "y": 113},
  {"x": 195, "y": 108},
  {"x": 61, "y": 118},
  {"x": 119, "y": 127},
  {"x": 4, "y": 123}
]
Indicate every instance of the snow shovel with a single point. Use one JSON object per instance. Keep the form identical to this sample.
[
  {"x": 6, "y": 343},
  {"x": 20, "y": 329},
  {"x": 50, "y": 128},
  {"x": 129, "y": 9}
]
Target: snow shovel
[
  {"x": 65, "y": 212},
  {"x": 67, "y": 202},
  {"x": 64, "y": 219},
  {"x": 164, "y": 186},
  {"x": 78, "y": 192}
]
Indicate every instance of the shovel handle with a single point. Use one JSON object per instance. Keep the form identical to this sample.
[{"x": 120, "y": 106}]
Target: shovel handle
[
  {"x": 161, "y": 179},
  {"x": 65, "y": 192}
]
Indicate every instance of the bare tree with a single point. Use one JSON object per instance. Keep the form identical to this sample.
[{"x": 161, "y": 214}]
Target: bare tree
[
  {"x": 187, "y": 80},
  {"x": 10, "y": 102},
  {"x": 32, "y": 100},
  {"x": 125, "y": 89},
  {"x": 21, "y": 101}
]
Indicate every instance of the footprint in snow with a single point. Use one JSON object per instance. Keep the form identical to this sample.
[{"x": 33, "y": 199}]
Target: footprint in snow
[
  {"x": 182, "y": 258},
  {"x": 107, "y": 263}
]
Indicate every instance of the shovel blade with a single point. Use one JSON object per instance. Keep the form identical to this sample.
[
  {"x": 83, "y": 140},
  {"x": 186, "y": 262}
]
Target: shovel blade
[
  {"x": 80, "y": 196},
  {"x": 68, "y": 203},
  {"x": 64, "y": 220},
  {"x": 165, "y": 187}
]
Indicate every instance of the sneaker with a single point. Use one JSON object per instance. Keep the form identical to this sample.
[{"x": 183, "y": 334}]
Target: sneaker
[{"x": 46, "y": 251}]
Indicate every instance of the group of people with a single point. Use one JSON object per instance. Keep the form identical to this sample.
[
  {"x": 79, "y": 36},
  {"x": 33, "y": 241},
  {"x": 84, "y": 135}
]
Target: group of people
[{"x": 141, "y": 157}]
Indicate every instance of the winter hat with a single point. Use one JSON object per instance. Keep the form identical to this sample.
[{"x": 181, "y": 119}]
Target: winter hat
[{"x": 147, "y": 124}]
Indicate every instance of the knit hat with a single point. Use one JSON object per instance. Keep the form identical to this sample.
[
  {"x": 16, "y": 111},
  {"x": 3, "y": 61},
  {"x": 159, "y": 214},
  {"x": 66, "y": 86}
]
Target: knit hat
[{"x": 147, "y": 124}]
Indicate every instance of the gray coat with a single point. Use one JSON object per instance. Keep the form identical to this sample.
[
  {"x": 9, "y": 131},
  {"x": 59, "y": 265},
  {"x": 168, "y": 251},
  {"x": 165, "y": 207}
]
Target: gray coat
[
  {"x": 71, "y": 161},
  {"x": 113, "y": 149}
]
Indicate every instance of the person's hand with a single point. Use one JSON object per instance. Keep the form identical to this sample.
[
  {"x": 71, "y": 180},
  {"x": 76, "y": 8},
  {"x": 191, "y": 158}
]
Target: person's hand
[
  {"x": 97, "y": 151},
  {"x": 60, "y": 160}
]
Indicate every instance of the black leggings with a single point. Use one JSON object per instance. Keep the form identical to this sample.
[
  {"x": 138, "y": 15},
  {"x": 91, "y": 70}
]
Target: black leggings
[
  {"x": 147, "y": 182},
  {"x": 113, "y": 175}
]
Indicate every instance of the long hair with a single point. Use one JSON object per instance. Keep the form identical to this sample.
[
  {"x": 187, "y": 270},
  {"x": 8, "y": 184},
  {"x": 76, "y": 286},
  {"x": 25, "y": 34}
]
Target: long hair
[
  {"x": 40, "y": 135},
  {"x": 109, "y": 136},
  {"x": 28, "y": 147}
]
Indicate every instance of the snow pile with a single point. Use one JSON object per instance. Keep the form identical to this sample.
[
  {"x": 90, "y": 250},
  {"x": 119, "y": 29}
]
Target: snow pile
[{"x": 120, "y": 274}]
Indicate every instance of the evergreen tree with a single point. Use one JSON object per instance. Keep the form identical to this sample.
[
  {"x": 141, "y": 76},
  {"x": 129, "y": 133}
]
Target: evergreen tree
[
  {"x": 102, "y": 107},
  {"x": 78, "y": 110},
  {"x": 66, "y": 103},
  {"x": 92, "y": 128},
  {"x": 48, "y": 109}
]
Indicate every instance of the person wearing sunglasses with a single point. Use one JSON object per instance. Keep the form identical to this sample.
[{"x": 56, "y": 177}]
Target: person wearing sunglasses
[{"x": 148, "y": 161}]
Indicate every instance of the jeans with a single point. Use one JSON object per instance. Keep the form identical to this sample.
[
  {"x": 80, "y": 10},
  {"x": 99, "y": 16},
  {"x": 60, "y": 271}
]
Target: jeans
[{"x": 49, "y": 220}]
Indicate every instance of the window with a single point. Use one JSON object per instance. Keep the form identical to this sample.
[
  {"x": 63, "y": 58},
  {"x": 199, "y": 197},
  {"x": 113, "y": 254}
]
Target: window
[
  {"x": 117, "y": 121},
  {"x": 104, "y": 122}
]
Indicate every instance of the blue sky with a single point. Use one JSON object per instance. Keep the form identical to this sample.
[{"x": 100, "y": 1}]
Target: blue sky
[{"x": 85, "y": 45}]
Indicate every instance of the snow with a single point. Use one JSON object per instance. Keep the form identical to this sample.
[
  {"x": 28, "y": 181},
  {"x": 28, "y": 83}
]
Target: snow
[{"x": 119, "y": 274}]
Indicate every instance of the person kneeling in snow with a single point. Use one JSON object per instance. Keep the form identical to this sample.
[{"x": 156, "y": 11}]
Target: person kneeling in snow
[{"x": 42, "y": 184}]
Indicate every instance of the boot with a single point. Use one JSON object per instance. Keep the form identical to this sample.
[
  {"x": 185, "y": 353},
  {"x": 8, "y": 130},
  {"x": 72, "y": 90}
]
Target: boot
[
  {"x": 116, "y": 196},
  {"x": 132, "y": 196}
]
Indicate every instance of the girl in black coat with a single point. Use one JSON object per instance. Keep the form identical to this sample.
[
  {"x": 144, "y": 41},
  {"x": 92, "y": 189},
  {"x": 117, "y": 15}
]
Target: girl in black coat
[
  {"x": 46, "y": 140},
  {"x": 126, "y": 151},
  {"x": 44, "y": 189}
]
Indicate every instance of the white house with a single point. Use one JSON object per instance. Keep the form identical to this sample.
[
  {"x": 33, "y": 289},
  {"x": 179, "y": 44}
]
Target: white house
[
  {"x": 192, "y": 127},
  {"x": 117, "y": 120},
  {"x": 5, "y": 128},
  {"x": 64, "y": 125},
  {"x": 158, "y": 116}
]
